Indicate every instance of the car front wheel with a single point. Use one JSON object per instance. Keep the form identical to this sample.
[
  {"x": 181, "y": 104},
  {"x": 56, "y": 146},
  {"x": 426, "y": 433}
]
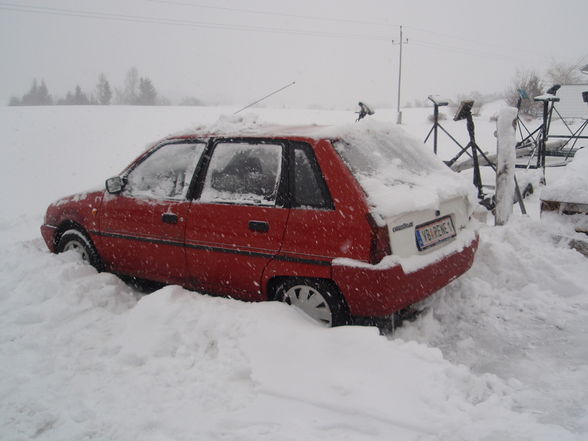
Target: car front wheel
[
  {"x": 74, "y": 240},
  {"x": 320, "y": 300}
]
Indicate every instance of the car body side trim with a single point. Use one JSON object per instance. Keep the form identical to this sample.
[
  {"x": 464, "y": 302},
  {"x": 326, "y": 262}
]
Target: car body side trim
[
  {"x": 302, "y": 260},
  {"x": 215, "y": 248}
]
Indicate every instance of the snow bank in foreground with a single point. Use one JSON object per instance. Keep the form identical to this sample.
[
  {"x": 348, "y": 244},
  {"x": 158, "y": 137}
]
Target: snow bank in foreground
[
  {"x": 81, "y": 356},
  {"x": 521, "y": 312}
]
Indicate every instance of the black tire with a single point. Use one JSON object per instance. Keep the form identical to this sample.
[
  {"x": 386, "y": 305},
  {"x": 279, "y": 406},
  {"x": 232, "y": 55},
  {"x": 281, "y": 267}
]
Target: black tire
[
  {"x": 320, "y": 300},
  {"x": 75, "y": 240},
  {"x": 144, "y": 286}
]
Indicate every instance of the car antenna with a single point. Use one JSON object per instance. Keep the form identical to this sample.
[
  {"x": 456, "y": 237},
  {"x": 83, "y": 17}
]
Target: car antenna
[{"x": 267, "y": 96}]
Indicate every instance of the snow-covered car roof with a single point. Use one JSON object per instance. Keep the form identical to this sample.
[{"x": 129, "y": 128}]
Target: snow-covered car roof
[
  {"x": 250, "y": 125},
  {"x": 397, "y": 171},
  {"x": 573, "y": 185}
]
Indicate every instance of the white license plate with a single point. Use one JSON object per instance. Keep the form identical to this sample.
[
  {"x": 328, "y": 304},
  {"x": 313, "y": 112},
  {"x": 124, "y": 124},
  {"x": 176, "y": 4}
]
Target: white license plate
[{"x": 431, "y": 233}]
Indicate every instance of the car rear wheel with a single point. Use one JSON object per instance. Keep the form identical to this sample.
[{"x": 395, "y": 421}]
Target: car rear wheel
[
  {"x": 74, "y": 240},
  {"x": 319, "y": 300}
]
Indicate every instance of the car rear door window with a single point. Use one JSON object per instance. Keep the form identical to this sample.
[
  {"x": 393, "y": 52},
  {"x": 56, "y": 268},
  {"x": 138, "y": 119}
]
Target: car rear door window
[
  {"x": 166, "y": 173},
  {"x": 244, "y": 173},
  {"x": 309, "y": 186}
]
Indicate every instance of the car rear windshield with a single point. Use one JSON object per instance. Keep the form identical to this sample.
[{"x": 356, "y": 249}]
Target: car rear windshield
[
  {"x": 397, "y": 172},
  {"x": 374, "y": 154}
]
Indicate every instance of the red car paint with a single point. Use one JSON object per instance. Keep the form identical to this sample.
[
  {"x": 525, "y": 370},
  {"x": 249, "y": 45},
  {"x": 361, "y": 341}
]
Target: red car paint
[{"x": 240, "y": 249}]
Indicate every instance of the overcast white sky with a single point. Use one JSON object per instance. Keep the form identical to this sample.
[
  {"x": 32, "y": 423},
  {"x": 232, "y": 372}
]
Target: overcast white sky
[{"x": 338, "y": 52}]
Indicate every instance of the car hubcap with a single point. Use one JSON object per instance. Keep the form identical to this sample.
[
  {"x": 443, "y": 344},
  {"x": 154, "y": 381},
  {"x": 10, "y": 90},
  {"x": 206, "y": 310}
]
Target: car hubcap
[
  {"x": 310, "y": 301},
  {"x": 78, "y": 248}
]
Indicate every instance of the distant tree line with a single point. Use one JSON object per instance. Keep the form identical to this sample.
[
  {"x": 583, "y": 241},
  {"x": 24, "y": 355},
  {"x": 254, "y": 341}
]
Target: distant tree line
[
  {"x": 137, "y": 90},
  {"x": 38, "y": 95}
]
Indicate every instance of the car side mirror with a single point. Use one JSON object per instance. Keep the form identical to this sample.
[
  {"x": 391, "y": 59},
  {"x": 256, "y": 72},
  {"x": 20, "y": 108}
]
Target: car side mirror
[{"x": 114, "y": 185}]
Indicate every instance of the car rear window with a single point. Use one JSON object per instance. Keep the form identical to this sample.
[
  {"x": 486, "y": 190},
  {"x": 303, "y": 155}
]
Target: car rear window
[
  {"x": 397, "y": 172},
  {"x": 310, "y": 190},
  {"x": 243, "y": 173},
  {"x": 370, "y": 156}
]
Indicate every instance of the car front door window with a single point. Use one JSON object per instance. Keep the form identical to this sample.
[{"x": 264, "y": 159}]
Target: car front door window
[
  {"x": 143, "y": 227},
  {"x": 166, "y": 173}
]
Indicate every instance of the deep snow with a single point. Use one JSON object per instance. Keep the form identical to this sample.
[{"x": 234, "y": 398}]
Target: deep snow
[{"x": 500, "y": 354}]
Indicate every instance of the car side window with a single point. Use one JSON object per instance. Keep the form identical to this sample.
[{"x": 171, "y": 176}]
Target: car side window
[
  {"x": 244, "y": 173},
  {"x": 166, "y": 173},
  {"x": 309, "y": 186}
]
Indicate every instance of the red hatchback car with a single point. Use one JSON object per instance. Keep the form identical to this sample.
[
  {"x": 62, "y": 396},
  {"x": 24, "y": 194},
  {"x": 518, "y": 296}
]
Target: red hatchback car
[{"x": 347, "y": 224}]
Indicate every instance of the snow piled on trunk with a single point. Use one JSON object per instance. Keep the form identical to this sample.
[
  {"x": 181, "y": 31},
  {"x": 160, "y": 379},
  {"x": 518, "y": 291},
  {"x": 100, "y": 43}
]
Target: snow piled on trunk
[{"x": 398, "y": 173}]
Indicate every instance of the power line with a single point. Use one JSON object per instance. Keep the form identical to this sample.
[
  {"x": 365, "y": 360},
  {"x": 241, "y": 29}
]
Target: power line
[
  {"x": 342, "y": 20},
  {"x": 463, "y": 50},
  {"x": 183, "y": 23},
  {"x": 274, "y": 14},
  {"x": 474, "y": 42},
  {"x": 251, "y": 28}
]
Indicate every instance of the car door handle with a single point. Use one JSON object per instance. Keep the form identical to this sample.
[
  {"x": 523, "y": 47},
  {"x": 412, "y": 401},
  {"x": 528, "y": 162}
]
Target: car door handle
[
  {"x": 259, "y": 226},
  {"x": 169, "y": 218}
]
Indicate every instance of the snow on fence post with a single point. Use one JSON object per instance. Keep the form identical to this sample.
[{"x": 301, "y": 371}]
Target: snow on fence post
[{"x": 505, "y": 164}]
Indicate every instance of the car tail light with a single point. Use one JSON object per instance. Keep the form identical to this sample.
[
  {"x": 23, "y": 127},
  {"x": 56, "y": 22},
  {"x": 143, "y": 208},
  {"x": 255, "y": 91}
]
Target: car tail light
[{"x": 380, "y": 240}]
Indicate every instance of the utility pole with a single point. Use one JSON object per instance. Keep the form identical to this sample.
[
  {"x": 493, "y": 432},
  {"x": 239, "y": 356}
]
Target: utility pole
[{"x": 399, "y": 118}]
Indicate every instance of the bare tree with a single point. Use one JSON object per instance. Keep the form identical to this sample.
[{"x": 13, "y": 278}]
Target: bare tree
[
  {"x": 525, "y": 83},
  {"x": 564, "y": 73}
]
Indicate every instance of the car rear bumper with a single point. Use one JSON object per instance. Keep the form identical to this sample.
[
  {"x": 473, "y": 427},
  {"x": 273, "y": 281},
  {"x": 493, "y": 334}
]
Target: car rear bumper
[
  {"x": 377, "y": 292},
  {"x": 48, "y": 233}
]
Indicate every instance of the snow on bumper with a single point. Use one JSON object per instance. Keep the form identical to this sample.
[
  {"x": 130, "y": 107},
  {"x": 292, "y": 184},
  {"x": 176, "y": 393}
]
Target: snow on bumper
[{"x": 394, "y": 284}]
